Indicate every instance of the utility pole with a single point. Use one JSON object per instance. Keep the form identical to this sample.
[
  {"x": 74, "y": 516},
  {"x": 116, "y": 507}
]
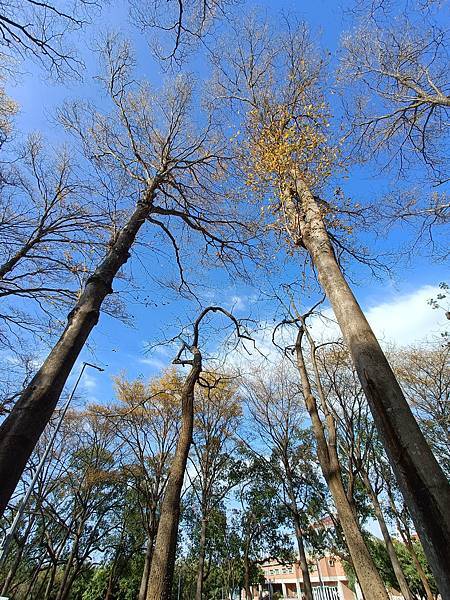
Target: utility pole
[
  {"x": 179, "y": 585},
  {"x": 19, "y": 513}
]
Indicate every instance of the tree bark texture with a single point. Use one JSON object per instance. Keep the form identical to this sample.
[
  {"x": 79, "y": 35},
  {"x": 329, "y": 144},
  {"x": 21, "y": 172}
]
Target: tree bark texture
[
  {"x": 421, "y": 479},
  {"x": 163, "y": 561},
  {"x": 21, "y": 430},
  {"x": 302, "y": 556},
  {"x": 400, "y": 576},
  {"x": 147, "y": 566},
  {"x": 248, "y": 591}
]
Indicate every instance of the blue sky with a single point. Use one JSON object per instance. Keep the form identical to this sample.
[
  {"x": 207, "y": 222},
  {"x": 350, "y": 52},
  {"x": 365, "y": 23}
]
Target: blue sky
[{"x": 121, "y": 348}]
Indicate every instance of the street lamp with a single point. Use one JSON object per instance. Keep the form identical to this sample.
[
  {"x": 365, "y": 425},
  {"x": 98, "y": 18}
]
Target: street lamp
[{"x": 11, "y": 531}]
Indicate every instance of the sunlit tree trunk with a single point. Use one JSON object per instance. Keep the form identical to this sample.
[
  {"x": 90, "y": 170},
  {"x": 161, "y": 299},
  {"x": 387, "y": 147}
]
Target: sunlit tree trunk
[
  {"x": 147, "y": 565},
  {"x": 21, "y": 430},
  {"x": 163, "y": 561},
  {"x": 421, "y": 480},
  {"x": 368, "y": 576},
  {"x": 201, "y": 560},
  {"x": 400, "y": 576}
]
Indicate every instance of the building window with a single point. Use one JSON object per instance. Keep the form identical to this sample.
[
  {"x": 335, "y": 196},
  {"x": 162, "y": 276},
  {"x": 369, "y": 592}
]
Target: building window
[{"x": 331, "y": 562}]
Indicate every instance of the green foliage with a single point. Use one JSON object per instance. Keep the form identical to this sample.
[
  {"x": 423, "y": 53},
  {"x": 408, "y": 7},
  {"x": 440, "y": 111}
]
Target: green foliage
[
  {"x": 381, "y": 558},
  {"x": 97, "y": 585}
]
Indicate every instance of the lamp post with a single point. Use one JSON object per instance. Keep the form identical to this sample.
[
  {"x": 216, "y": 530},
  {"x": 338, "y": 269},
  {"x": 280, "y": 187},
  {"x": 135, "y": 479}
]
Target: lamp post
[{"x": 11, "y": 531}]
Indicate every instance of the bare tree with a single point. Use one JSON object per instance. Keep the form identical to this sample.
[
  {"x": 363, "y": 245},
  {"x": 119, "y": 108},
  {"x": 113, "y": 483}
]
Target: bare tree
[
  {"x": 161, "y": 574},
  {"x": 183, "y": 23},
  {"x": 145, "y": 422},
  {"x": 217, "y": 414},
  {"x": 325, "y": 432},
  {"x": 278, "y": 414},
  {"x": 277, "y": 81},
  {"x": 394, "y": 70},
  {"x": 171, "y": 174},
  {"x": 42, "y": 30},
  {"x": 50, "y": 235}
]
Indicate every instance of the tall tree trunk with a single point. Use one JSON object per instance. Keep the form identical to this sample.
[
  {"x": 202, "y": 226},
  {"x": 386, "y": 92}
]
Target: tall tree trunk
[
  {"x": 147, "y": 565},
  {"x": 51, "y": 580},
  {"x": 110, "y": 586},
  {"x": 201, "y": 560},
  {"x": 248, "y": 591},
  {"x": 406, "y": 537},
  {"x": 303, "y": 563},
  {"x": 422, "y": 575},
  {"x": 421, "y": 479},
  {"x": 33, "y": 579},
  {"x": 21, "y": 430},
  {"x": 12, "y": 571},
  {"x": 69, "y": 583},
  {"x": 400, "y": 576},
  {"x": 366, "y": 572},
  {"x": 302, "y": 556},
  {"x": 163, "y": 562},
  {"x": 68, "y": 567}
]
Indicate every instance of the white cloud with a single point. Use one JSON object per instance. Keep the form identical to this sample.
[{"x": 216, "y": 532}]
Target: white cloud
[
  {"x": 407, "y": 319},
  {"x": 154, "y": 363},
  {"x": 89, "y": 382},
  {"x": 402, "y": 320},
  {"x": 238, "y": 303}
]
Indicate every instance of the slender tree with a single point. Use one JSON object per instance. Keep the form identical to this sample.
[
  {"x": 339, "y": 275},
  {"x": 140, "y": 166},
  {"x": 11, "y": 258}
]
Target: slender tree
[
  {"x": 145, "y": 421},
  {"x": 259, "y": 523},
  {"x": 163, "y": 563},
  {"x": 325, "y": 432},
  {"x": 217, "y": 415},
  {"x": 278, "y": 414},
  {"x": 358, "y": 445}
]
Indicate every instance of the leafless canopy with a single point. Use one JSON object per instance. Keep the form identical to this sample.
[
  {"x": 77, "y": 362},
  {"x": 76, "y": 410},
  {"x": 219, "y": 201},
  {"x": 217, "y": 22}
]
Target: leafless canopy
[
  {"x": 51, "y": 229},
  {"x": 183, "y": 22},
  {"x": 40, "y": 30},
  {"x": 395, "y": 70},
  {"x": 161, "y": 136}
]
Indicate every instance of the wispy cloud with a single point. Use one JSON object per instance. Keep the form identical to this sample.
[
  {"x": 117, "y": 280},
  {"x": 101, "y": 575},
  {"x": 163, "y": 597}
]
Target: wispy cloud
[
  {"x": 401, "y": 320},
  {"x": 154, "y": 363},
  {"x": 89, "y": 382}
]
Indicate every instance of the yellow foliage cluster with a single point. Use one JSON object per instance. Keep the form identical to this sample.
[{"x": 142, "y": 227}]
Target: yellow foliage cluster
[
  {"x": 285, "y": 144},
  {"x": 161, "y": 394},
  {"x": 96, "y": 476},
  {"x": 221, "y": 401}
]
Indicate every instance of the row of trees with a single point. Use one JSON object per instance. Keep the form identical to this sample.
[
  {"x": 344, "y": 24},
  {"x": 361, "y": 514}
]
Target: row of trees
[
  {"x": 152, "y": 159},
  {"x": 252, "y": 487}
]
